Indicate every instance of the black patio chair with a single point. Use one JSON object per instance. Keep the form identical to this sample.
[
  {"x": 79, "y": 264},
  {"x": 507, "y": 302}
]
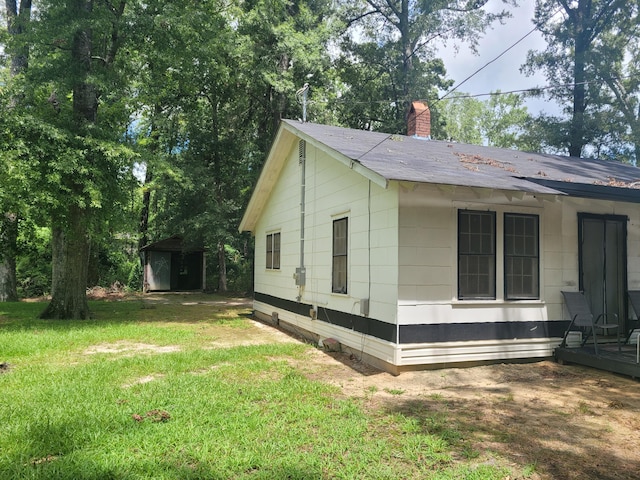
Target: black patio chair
[
  {"x": 581, "y": 317},
  {"x": 634, "y": 300}
]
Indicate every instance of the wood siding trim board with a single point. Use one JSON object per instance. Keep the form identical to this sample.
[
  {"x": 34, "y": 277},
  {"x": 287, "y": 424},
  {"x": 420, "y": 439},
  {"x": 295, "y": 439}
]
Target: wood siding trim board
[
  {"x": 368, "y": 326},
  {"x": 470, "y": 332},
  {"x": 424, "y": 333}
]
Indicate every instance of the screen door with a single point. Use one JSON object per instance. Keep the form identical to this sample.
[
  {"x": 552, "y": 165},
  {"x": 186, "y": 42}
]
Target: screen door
[{"x": 603, "y": 263}]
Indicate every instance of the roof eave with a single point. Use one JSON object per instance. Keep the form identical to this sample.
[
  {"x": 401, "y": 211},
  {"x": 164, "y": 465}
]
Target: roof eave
[
  {"x": 594, "y": 191},
  {"x": 280, "y": 148},
  {"x": 353, "y": 164}
]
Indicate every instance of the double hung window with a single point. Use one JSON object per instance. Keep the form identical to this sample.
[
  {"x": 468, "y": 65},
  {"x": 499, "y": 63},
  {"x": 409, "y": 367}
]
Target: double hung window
[
  {"x": 476, "y": 255},
  {"x": 521, "y": 256},
  {"x": 273, "y": 251},
  {"x": 339, "y": 267},
  {"x": 478, "y": 260}
]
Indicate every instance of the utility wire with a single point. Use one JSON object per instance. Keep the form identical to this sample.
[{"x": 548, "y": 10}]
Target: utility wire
[
  {"x": 537, "y": 89},
  {"x": 504, "y": 52},
  {"x": 471, "y": 76},
  {"x": 474, "y": 95},
  {"x": 484, "y": 66}
]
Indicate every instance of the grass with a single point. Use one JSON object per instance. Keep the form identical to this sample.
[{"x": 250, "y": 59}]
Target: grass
[{"x": 158, "y": 399}]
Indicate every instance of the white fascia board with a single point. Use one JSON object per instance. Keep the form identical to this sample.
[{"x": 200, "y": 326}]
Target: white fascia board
[
  {"x": 280, "y": 151},
  {"x": 271, "y": 169},
  {"x": 354, "y": 165}
]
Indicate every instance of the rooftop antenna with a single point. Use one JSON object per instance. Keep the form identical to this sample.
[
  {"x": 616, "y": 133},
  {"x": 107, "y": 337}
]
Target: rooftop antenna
[{"x": 303, "y": 93}]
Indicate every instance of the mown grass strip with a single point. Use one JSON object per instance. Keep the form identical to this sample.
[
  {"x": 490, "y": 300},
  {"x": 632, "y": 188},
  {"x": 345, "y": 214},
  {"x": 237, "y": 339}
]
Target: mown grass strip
[{"x": 194, "y": 411}]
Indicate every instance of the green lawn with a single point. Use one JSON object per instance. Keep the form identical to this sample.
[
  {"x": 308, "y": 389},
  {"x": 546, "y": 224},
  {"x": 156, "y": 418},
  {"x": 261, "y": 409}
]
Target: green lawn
[{"x": 142, "y": 392}]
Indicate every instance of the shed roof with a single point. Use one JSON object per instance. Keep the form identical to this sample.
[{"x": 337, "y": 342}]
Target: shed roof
[{"x": 384, "y": 157}]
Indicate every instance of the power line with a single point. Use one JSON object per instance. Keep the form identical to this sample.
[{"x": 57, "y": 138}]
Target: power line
[
  {"x": 535, "y": 89},
  {"x": 485, "y": 65},
  {"x": 475, "y": 95},
  {"x": 496, "y": 58},
  {"x": 471, "y": 76}
]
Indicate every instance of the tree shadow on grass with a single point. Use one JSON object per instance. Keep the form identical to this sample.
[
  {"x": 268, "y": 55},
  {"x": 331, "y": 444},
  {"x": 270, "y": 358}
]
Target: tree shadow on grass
[
  {"x": 575, "y": 440},
  {"x": 24, "y": 316}
]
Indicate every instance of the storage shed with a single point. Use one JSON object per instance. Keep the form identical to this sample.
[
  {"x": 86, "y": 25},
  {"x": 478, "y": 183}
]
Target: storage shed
[{"x": 169, "y": 266}]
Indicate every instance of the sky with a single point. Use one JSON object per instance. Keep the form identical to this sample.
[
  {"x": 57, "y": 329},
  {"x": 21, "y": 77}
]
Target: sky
[{"x": 504, "y": 73}]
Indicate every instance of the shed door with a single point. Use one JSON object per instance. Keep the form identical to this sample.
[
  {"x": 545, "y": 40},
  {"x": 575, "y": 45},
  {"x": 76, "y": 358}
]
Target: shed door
[
  {"x": 603, "y": 263},
  {"x": 159, "y": 271}
]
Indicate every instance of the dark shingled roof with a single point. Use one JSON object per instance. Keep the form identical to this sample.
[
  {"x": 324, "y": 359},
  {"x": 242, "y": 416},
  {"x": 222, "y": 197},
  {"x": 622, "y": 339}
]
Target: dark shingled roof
[{"x": 402, "y": 158}]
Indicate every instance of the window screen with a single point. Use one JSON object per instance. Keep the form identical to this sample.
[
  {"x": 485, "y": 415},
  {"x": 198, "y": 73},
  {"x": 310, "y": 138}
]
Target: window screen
[
  {"x": 339, "y": 275},
  {"x": 476, "y": 255},
  {"x": 521, "y": 256}
]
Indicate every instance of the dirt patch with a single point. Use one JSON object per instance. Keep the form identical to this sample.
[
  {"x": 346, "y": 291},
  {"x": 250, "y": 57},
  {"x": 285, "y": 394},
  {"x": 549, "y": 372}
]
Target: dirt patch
[
  {"x": 192, "y": 298},
  {"x": 142, "y": 380},
  {"x": 258, "y": 334},
  {"x": 566, "y": 422},
  {"x": 114, "y": 292},
  {"x": 129, "y": 349}
]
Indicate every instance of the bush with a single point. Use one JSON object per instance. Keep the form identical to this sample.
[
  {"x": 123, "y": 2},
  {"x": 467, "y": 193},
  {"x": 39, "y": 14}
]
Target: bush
[
  {"x": 33, "y": 263},
  {"x": 113, "y": 261}
]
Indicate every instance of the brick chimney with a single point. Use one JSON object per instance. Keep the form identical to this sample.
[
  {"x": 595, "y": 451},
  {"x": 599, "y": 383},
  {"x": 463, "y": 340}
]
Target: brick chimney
[{"x": 419, "y": 120}]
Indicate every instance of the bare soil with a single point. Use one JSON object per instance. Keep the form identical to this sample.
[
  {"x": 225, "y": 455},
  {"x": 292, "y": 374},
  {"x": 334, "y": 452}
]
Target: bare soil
[
  {"x": 557, "y": 421},
  {"x": 554, "y": 421}
]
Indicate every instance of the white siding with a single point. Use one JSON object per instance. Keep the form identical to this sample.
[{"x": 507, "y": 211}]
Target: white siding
[
  {"x": 333, "y": 191},
  {"x": 428, "y": 268},
  {"x": 480, "y": 351},
  {"x": 428, "y": 258},
  {"x": 281, "y": 214},
  {"x": 402, "y": 256}
]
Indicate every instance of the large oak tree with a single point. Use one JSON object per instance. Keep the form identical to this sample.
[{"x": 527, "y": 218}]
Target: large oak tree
[
  {"x": 587, "y": 42},
  {"x": 64, "y": 135}
]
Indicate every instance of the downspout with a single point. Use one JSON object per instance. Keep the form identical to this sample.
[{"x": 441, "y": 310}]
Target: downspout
[
  {"x": 300, "y": 275},
  {"x": 301, "y": 270}
]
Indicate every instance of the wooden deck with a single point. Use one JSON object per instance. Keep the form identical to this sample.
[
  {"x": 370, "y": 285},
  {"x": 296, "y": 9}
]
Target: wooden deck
[{"x": 625, "y": 362}]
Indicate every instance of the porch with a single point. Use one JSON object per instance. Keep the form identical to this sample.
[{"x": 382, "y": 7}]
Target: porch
[{"x": 625, "y": 362}]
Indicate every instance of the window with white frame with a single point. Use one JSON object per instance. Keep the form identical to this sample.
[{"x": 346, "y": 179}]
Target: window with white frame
[
  {"x": 476, "y": 255},
  {"x": 521, "y": 256},
  {"x": 340, "y": 255},
  {"x": 273, "y": 251}
]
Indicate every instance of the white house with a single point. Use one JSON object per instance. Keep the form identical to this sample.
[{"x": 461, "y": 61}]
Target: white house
[{"x": 414, "y": 253}]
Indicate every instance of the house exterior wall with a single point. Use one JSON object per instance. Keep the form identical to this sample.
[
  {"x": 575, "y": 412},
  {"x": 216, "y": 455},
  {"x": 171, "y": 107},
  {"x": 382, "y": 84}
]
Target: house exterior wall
[
  {"x": 437, "y": 328},
  {"x": 332, "y": 191},
  {"x": 402, "y": 307}
]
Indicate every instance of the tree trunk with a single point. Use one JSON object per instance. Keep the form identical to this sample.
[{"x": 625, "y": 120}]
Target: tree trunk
[
  {"x": 144, "y": 213},
  {"x": 222, "y": 265},
  {"x": 8, "y": 239},
  {"x": 576, "y": 129},
  {"x": 71, "y": 244},
  {"x": 248, "y": 253},
  {"x": 17, "y": 21},
  {"x": 70, "y": 248}
]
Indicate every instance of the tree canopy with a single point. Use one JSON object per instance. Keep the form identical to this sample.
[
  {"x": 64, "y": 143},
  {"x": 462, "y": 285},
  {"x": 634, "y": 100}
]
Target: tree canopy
[
  {"x": 589, "y": 60},
  {"x": 124, "y": 121}
]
